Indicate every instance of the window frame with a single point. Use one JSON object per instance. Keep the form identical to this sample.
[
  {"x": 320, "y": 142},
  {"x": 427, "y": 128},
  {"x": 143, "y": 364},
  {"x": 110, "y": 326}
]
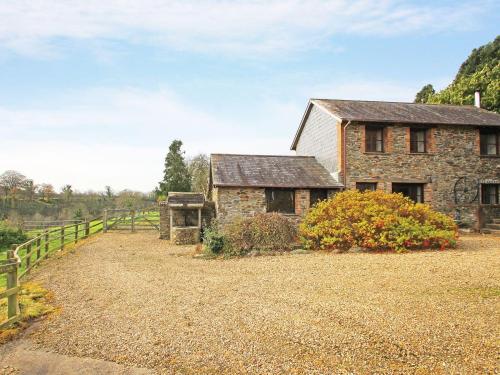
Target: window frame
[
  {"x": 414, "y": 142},
  {"x": 322, "y": 192},
  {"x": 414, "y": 196},
  {"x": 366, "y": 188},
  {"x": 379, "y": 130},
  {"x": 484, "y": 135},
  {"x": 496, "y": 194},
  {"x": 270, "y": 194}
]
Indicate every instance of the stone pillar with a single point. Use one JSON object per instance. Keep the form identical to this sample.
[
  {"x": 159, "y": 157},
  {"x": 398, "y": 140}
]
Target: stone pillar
[{"x": 302, "y": 201}]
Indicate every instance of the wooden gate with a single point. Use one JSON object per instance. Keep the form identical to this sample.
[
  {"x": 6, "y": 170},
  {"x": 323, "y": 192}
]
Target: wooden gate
[{"x": 124, "y": 219}]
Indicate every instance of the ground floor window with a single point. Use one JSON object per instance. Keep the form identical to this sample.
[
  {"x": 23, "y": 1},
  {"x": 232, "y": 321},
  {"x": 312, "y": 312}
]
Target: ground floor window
[
  {"x": 317, "y": 195},
  {"x": 490, "y": 194},
  {"x": 280, "y": 200},
  {"x": 364, "y": 186},
  {"x": 413, "y": 191}
]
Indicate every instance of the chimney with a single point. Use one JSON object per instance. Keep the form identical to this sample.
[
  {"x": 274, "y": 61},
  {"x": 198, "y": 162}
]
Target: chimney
[{"x": 477, "y": 99}]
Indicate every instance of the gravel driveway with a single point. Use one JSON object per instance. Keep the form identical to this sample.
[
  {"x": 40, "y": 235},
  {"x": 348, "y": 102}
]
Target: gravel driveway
[{"x": 137, "y": 301}]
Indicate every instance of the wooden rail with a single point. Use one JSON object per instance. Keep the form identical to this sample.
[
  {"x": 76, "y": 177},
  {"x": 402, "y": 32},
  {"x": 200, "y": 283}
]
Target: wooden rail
[{"x": 22, "y": 258}]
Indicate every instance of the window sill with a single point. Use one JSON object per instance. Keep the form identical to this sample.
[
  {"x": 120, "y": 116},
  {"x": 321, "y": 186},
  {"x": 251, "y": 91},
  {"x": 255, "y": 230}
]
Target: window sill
[
  {"x": 490, "y": 156},
  {"x": 375, "y": 153},
  {"x": 421, "y": 153}
]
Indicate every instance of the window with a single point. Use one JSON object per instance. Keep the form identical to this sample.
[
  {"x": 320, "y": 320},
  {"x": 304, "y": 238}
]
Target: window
[
  {"x": 490, "y": 140},
  {"x": 280, "y": 200},
  {"x": 364, "y": 186},
  {"x": 490, "y": 194},
  {"x": 374, "y": 138},
  {"x": 418, "y": 140},
  {"x": 317, "y": 195},
  {"x": 413, "y": 191}
]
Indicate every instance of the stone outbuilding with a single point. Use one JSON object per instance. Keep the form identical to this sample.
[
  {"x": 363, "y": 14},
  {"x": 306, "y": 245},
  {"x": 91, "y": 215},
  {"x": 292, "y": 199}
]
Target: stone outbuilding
[{"x": 245, "y": 185}]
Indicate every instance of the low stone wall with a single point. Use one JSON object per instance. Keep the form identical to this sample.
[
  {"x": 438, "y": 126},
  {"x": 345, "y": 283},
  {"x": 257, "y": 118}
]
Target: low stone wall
[{"x": 185, "y": 235}]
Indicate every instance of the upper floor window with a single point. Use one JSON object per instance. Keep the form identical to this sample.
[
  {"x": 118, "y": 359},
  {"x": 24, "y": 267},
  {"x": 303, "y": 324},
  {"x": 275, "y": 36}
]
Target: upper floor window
[
  {"x": 418, "y": 140},
  {"x": 490, "y": 142},
  {"x": 280, "y": 200},
  {"x": 364, "y": 186},
  {"x": 374, "y": 139},
  {"x": 490, "y": 194}
]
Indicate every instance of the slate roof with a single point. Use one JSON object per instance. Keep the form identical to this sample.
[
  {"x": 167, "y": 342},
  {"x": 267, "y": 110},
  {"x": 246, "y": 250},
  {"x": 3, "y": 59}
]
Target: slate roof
[
  {"x": 269, "y": 171},
  {"x": 402, "y": 113},
  {"x": 185, "y": 198},
  {"x": 371, "y": 111}
]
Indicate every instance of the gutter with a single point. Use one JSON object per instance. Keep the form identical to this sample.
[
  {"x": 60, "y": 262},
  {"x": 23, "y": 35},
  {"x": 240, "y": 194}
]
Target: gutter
[{"x": 344, "y": 153}]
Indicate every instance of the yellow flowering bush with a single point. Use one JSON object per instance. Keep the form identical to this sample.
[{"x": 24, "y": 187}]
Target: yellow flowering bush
[{"x": 375, "y": 220}]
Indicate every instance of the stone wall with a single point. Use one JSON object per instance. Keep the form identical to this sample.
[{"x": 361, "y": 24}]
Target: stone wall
[
  {"x": 185, "y": 235},
  {"x": 233, "y": 203},
  {"x": 454, "y": 153},
  {"x": 319, "y": 138}
]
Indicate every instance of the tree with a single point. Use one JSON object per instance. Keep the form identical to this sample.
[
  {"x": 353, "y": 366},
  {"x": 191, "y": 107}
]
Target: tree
[
  {"x": 67, "y": 191},
  {"x": 176, "y": 174},
  {"x": 480, "y": 72},
  {"x": 130, "y": 199},
  {"x": 108, "y": 191},
  {"x": 47, "y": 191},
  {"x": 30, "y": 189},
  {"x": 11, "y": 182},
  {"x": 198, "y": 168},
  {"x": 424, "y": 94}
]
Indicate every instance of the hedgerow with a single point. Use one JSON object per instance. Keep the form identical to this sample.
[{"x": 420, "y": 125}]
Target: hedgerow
[{"x": 375, "y": 220}]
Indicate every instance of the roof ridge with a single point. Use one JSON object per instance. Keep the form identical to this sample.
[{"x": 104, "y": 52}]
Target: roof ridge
[
  {"x": 395, "y": 102},
  {"x": 263, "y": 155}
]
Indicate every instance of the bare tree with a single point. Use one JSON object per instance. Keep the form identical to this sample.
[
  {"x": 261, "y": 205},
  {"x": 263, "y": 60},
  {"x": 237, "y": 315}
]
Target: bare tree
[
  {"x": 198, "y": 168},
  {"x": 11, "y": 182},
  {"x": 29, "y": 188}
]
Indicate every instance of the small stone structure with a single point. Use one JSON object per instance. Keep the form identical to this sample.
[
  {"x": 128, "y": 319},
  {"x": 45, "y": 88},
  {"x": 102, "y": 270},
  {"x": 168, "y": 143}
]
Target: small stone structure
[{"x": 183, "y": 216}]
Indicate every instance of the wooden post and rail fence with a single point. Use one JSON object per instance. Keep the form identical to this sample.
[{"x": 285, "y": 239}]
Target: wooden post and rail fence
[{"x": 22, "y": 258}]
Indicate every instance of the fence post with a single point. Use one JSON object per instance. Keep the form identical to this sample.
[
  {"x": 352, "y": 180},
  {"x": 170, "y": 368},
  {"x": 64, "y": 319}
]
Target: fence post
[
  {"x": 12, "y": 305},
  {"x": 47, "y": 233},
  {"x": 62, "y": 237},
  {"x": 38, "y": 247},
  {"x": 133, "y": 221},
  {"x": 87, "y": 228},
  {"x": 105, "y": 221},
  {"x": 28, "y": 257},
  {"x": 76, "y": 232}
]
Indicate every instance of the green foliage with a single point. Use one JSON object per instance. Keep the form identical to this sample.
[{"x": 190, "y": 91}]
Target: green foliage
[
  {"x": 213, "y": 240},
  {"x": 10, "y": 235},
  {"x": 375, "y": 220},
  {"x": 262, "y": 232},
  {"x": 176, "y": 174},
  {"x": 424, "y": 94},
  {"x": 480, "y": 72}
]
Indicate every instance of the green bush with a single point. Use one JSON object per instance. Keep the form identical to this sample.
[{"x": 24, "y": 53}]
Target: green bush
[
  {"x": 262, "y": 232},
  {"x": 376, "y": 220},
  {"x": 213, "y": 240},
  {"x": 10, "y": 235}
]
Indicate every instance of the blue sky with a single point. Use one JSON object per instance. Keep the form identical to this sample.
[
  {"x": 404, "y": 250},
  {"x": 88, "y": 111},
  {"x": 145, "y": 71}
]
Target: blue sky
[{"x": 92, "y": 93}]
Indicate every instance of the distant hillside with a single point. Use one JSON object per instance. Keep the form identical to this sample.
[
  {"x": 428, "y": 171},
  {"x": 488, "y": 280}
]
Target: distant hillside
[{"x": 480, "y": 72}]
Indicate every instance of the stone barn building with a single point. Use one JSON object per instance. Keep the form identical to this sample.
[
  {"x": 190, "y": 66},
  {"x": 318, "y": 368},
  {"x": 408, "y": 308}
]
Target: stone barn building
[{"x": 444, "y": 155}]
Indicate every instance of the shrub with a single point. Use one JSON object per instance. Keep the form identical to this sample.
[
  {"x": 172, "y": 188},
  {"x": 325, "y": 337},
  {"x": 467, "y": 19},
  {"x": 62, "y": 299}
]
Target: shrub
[
  {"x": 375, "y": 220},
  {"x": 10, "y": 235},
  {"x": 262, "y": 232},
  {"x": 213, "y": 240}
]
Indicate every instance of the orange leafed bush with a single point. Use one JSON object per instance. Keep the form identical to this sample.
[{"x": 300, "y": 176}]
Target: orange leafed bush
[{"x": 376, "y": 220}]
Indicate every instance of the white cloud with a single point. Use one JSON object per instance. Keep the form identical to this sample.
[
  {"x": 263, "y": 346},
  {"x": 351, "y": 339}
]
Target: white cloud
[
  {"x": 241, "y": 27},
  {"x": 119, "y": 137}
]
